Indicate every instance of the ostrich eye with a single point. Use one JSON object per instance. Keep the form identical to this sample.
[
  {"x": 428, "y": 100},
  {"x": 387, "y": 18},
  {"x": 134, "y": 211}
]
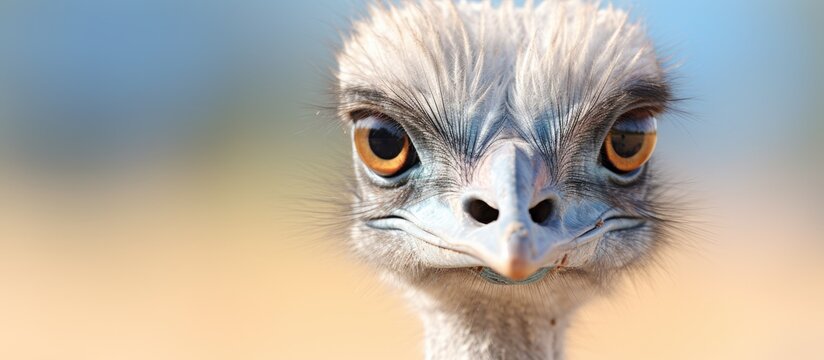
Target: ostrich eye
[
  {"x": 383, "y": 145},
  {"x": 630, "y": 142}
]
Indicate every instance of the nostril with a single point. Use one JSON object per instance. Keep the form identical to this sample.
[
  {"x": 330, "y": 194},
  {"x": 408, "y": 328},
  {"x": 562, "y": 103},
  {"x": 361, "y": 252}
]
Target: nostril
[
  {"x": 481, "y": 211},
  {"x": 541, "y": 211}
]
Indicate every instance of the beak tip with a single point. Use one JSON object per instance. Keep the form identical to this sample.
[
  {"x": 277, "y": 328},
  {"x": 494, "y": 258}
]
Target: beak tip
[{"x": 517, "y": 270}]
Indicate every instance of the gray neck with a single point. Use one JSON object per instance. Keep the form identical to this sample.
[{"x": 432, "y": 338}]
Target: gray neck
[{"x": 492, "y": 332}]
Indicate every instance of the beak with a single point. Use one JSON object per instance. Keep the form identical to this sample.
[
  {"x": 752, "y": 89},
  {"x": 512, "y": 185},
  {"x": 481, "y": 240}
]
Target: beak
[
  {"x": 510, "y": 218},
  {"x": 529, "y": 231}
]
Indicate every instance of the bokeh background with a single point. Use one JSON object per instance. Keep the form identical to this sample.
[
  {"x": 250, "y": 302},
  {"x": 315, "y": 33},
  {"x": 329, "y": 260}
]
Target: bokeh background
[{"x": 154, "y": 154}]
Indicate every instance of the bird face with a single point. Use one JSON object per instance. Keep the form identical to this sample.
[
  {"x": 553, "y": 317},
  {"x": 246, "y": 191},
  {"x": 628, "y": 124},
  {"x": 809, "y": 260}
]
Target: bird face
[
  {"x": 509, "y": 213},
  {"x": 513, "y": 142}
]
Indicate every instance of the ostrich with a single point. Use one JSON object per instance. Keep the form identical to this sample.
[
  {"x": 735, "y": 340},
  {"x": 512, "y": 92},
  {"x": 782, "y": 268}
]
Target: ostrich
[{"x": 501, "y": 160}]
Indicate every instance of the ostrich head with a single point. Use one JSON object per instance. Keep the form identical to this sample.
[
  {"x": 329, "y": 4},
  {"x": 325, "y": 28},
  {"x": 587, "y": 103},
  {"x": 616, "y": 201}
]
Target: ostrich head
[{"x": 502, "y": 153}]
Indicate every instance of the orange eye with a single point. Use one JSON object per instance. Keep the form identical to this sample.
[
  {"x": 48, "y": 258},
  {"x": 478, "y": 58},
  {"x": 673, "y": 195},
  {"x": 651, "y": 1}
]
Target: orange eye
[
  {"x": 383, "y": 145},
  {"x": 630, "y": 142}
]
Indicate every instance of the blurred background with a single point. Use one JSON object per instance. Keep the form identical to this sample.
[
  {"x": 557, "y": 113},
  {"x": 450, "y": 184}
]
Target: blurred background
[{"x": 153, "y": 155}]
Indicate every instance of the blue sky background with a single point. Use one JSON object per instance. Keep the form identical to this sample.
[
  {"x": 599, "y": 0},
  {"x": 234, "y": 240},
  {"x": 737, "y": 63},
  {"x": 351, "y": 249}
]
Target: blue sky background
[{"x": 81, "y": 78}]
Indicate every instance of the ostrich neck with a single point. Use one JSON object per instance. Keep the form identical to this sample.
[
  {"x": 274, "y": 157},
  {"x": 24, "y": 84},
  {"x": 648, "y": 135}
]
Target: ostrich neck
[{"x": 492, "y": 332}]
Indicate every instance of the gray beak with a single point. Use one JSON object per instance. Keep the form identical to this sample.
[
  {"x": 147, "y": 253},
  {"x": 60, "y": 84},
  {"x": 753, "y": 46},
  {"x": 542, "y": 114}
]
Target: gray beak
[{"x": 510, "y": 219}]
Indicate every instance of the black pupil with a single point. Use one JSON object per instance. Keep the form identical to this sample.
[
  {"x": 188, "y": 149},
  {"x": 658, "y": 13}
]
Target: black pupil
[
  {"x": 386, "y": 143},
  {"x": 626, "y": 144}
]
